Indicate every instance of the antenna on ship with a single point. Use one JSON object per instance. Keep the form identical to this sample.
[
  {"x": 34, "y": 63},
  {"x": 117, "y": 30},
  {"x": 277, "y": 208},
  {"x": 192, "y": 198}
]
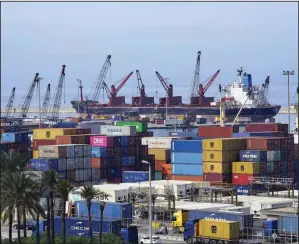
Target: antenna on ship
[{"x": 240, "y": 73}]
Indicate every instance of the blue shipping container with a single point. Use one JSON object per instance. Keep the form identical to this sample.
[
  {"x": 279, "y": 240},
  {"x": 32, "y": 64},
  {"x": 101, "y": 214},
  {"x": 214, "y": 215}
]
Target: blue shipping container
[
  {"x": 241, "y": 135},
  {"x": 114, "y": 173},
  {"x": 289, "y": 224},
  {"x": 99, "y": 152},
  {"x": 12, "y": 137},
  {"x": 270, "y": 226},
  {"x": 253, "y": 156},
  {"x": 187, "y": 146},
  {"x": 246, "y": 220},
  {"x": 184, "y": 134},
  {"x": 130, "y": 234},
  {"x": 79, "y": 226},
  {"x": 42, "y": 164},
  {"x": 128, "y": 161},
  {"x": 124, "y": 141},
  {"x": 135, "y": 176},
  {"x": 186, "y": 169},
  {"x": 186, "y": 158},
  {"x": 116, "y": 211}
]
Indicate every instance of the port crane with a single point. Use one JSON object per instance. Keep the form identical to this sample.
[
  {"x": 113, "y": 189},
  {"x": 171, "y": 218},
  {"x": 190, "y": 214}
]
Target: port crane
[
  {"x": 58, "y": 94},
  {"x": 141, "y": 86},
  {"x": 168, "y": 87},
  {"x": 46, "y": 101},
  {"x": 114, "y": 90},
  {"x": 262, "y": 94},
  {"x": 202, "y": 90},
  {"x": 10, "y": 103},
  {"x": 195, "y": 82}
]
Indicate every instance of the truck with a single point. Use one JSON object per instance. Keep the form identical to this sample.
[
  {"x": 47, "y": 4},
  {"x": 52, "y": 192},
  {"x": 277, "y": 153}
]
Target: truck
[
  {"x": 212, "y": 231},
  {"x": 179, "y": 219}
]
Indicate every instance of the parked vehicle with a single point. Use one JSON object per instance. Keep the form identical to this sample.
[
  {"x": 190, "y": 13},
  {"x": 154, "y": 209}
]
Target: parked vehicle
[
  {"x": 155, "y": 240},
  {"x": 29, "y": 225}
]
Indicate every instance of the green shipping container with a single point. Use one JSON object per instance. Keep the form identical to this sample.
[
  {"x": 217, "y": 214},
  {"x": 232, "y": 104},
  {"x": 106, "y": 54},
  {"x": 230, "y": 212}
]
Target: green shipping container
[
  {"x": 158, "y": 175},
  {"x": 140, "y": 126}
]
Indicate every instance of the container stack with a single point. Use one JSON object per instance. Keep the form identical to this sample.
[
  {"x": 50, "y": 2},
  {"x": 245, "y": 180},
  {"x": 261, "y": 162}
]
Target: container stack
[
  {"x": 186, "y": 160},
  {"x": 215, "y": 131},
  {"x": 218, "y": 155},
  {"x": 296, "y": 161},
  {"x": 17, "y": 141}
]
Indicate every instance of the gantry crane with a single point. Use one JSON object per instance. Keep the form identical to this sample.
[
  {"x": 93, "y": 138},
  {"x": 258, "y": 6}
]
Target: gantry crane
[
  {"x": 195, "y": 83},
  {"x": 28, "y": 98},
  {"x": 202, "y": 90},
  {"x": 46, "y": 101},
  {"x": 141, "y": 86},
  {"x": 168, "y": 87},
  {"x": 10, "y": 103},
  {"x": 57, "y": 98}
]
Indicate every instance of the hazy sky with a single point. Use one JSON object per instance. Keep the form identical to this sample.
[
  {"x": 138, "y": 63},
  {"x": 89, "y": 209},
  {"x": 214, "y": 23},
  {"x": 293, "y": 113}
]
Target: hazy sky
[{"x": 40, "y": 37}]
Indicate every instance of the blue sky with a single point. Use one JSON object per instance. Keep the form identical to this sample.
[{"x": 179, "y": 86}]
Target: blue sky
[{"x": 40, "y": 37}]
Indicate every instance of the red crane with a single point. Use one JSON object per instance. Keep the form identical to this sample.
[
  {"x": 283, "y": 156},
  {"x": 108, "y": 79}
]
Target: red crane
[
  {"x": 113, "y": 92},
  {"x": 141, "y": 86},
  {"x": 168, "y": 87},
  {"x": 202, "y": 90}
]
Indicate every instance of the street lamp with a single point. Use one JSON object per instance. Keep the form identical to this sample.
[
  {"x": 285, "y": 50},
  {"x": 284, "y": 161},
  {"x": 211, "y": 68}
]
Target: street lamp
[
  {"x": 102, "y": 207},
  {"x": 288, "y": 73},
  {"x": 150, "y": 198}
]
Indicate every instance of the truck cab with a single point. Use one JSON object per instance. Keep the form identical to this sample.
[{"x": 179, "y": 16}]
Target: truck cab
[
  {"x": 178, "y": 220},
  {"x": 189, "y": 231}
]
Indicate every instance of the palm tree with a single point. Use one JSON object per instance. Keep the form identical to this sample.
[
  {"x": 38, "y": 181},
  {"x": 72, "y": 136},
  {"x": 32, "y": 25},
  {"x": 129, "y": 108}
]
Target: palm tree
[
  {"x": 89, "y": 193},
  {"x": 48, "y": 182},
  {"x": 64, "y": 188}
]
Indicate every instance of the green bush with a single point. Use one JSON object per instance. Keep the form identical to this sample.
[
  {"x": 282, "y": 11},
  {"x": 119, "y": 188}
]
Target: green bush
[{"x": 107, "y": 239}]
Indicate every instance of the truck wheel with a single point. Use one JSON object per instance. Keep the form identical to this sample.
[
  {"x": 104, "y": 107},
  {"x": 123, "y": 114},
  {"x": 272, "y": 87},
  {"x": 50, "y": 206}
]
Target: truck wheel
[
  {"x": 212, "y": 242},
  {"x": 189, "y": 240},
  {"x": 220, "y": 242},
  {"x": 177, "y": 230}
]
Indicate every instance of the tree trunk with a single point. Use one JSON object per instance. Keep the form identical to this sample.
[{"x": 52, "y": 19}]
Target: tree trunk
[
  {"x": 0, "y": 219},
  {"x": 48, "y": 221},
  {"x": 52, "y": 217},
  {"x": 19, "y": 224},
  {"x": 63, "y": 222},
  {"x": 10, "y": 227},
  {"x": 89, "y": 222},
  {"x": 37, "y": 230},
  {"x": 24, "y": 221},
  {"x": 101, "y": 224}
]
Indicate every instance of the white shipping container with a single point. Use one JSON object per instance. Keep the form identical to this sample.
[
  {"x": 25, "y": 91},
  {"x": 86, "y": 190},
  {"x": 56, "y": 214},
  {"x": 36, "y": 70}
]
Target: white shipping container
[
  {"x": 173, "y": 122},
  {"x": 296, "y": 138},
  {"x": 158, "y": 142},
  {"x": 53, "y": 151},
  {"x": 112, "y": 130}
]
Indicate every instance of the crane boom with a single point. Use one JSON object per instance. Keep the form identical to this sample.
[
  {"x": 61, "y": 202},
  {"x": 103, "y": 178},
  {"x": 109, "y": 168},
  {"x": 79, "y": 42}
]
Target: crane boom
[
  {"x": 114, "y": 90},
  {"x": 202, "y": 90},
  {"x": 27, "y": 101},
  {"x": 101, "y": 79},
  {"x": 10, "y": 103},
  {"x": 58, "y": 95},
  {"x": 168, "y": 87},
  {"x": 46, "y": 101},
  {"x": 141, "y": 86},
  {"x": 195, "y": 82}
]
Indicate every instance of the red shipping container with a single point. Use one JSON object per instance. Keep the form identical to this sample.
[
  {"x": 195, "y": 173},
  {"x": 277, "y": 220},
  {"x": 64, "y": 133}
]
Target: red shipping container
[
  {"x": 263, "y": 167},
  {"x": 261, "y": 127},
  {"x": 101, "y": 141},
  {"x": 117, "y": 161},
  {"x": 241, "y": 179},
  {"x": 60, "y": 140},
  {"x": 276, "y": 166},
  {"x": 184, "y": 177},
  {"x": 114, "y": 180},
  {"x": 260, "y": 143},
  {"x": 100, "y": 163},
  {"x": 37, "y": 143},
  {"x": 296, "y": 151},
  {"x": 226, "y": 178},
  {"x": 215, "y": 131},
  {"x": 128, "y": 169}
]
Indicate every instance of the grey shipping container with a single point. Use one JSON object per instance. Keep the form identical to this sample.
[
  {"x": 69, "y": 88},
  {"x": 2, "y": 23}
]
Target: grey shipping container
[
  {"x": 62, "y": 164},
  {"x": 70, "y": 163},
  {"x": 111, "y": 130},
  {"x": 288, "y": 224},
  {"x": 79, "y": 162}
]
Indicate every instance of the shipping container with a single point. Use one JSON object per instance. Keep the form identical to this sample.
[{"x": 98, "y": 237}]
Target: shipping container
[
  {"x": 276, "y": 155},
  {"x": 184, "y": 134},
  {"x": 158, "y": 175},
  {"x": 101, "y": 141},
  {"x": 226, "y": 178},
  {"x": 98, "y": 152},
  {"x": 241, "y": 179},
  {"x": 263, "y": 143},
  {"x": 215, "y": 131},
  {"x": 37, "y": 143},
  {"x": 186, "y": 169},
  {"x": 52, "y": 151},
  {"x": 80, "y": 227},
  {"x": 102, "y": 163},
  {"x": 160, "y": 154},
  {"x": 44, "y": 164},
  {"x": 187, "y": 146},
  {"x": 270, "y": 227},
  {"x": 62, "y": 164},
  {"x": 134, "y": 176},
  {"x": 14, "y": 137},
  {"x": 66, "y": 140},
  {"x": 186, "y": 158},
  {"x": 140, "y": 126},
  {"x": 289, "y": 224},
  {"x": 129, "y": 235},
  {"x": 242, "y": 190},
  {"x": 217, "y": 168},
  {"x": 253, "y": 155},
  {"x": 262, "y": 127},
  {"x": 50, "y": 133},
  {"x": 158, "y": 142},
  {"x": 185, "y": 177},
  {"x": 249, "y": 168},
  {"x": 219, "y": 156},
  {"x": 166, "y": 169},
  {"x": 159, "y": 164},
  {"x": 225, "y": 144},
  {"x": 35, "y": 154},
  {"x": 112, "y": 130}
]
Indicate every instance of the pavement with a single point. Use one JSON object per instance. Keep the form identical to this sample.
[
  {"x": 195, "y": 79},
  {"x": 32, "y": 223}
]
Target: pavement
[{"x": 4, "y": 232}]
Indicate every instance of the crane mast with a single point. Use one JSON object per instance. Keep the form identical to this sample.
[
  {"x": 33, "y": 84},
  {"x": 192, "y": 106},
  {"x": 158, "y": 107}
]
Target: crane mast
[
  {"x": 10, "y": 103},
  {"x": 101, "y": 79},
  {"x": 168, "y": 87},
  {"x": 57, "y": 98},
  {"x": 141, "y": 86},
  {"x": 46, "y": 101},
  {"x": 195, "y": 82},
  {"x": 27, "y": 101}
]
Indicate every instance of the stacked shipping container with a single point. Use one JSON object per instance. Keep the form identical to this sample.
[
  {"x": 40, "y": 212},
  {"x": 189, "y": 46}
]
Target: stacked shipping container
[{"x": 17, "y": 141}]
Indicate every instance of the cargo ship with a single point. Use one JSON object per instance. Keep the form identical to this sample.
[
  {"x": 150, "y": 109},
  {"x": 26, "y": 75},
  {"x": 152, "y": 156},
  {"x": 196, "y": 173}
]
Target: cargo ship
[{"x": 254, "y": 106}]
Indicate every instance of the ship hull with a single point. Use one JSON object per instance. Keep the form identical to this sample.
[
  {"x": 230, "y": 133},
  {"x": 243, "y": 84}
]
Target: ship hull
[{"x": 254, "y": 114}]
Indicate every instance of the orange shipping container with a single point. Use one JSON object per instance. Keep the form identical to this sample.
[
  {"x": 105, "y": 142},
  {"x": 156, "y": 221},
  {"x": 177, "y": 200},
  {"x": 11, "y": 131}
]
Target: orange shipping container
[
  {"x": 160, "y": 154},
  {"x": 166, "y": 169},
  {"x": 61, "y": 140},
  {"x": 42, "y": 142},
  {"x": 215, "y": 131},
  {"x": 159, "y": 164},
  {"x": 185, "y": 177}
]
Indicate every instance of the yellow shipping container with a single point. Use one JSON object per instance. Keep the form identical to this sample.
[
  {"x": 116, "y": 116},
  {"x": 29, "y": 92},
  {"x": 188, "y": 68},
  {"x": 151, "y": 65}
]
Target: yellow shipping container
[
  {"x": 160, "y": 154},
  {"x": 217, "y": 168},
  {"x": 224, "y": 144},
  {"x": 35, "y": 154},
  {"x": 246, "y": 168},
  {"x": 219, "y": 156},
  {"x": 218, "y": 229},
  {"x": 50, "y": 133}
]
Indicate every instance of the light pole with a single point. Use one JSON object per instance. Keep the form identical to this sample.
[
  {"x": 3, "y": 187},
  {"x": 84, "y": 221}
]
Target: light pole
[
  {"x": 150, "y": 198},
  {"x": 39, "y": 107},
  {"x": 102, "y": 207},
  {"x": 79, "y": 84},
  {"x": 288, "y": 73}
]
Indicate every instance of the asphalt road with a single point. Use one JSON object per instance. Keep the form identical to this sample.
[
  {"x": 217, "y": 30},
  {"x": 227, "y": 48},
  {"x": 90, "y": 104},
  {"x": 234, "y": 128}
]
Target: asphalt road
[{"x": 4, "y": 232}]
